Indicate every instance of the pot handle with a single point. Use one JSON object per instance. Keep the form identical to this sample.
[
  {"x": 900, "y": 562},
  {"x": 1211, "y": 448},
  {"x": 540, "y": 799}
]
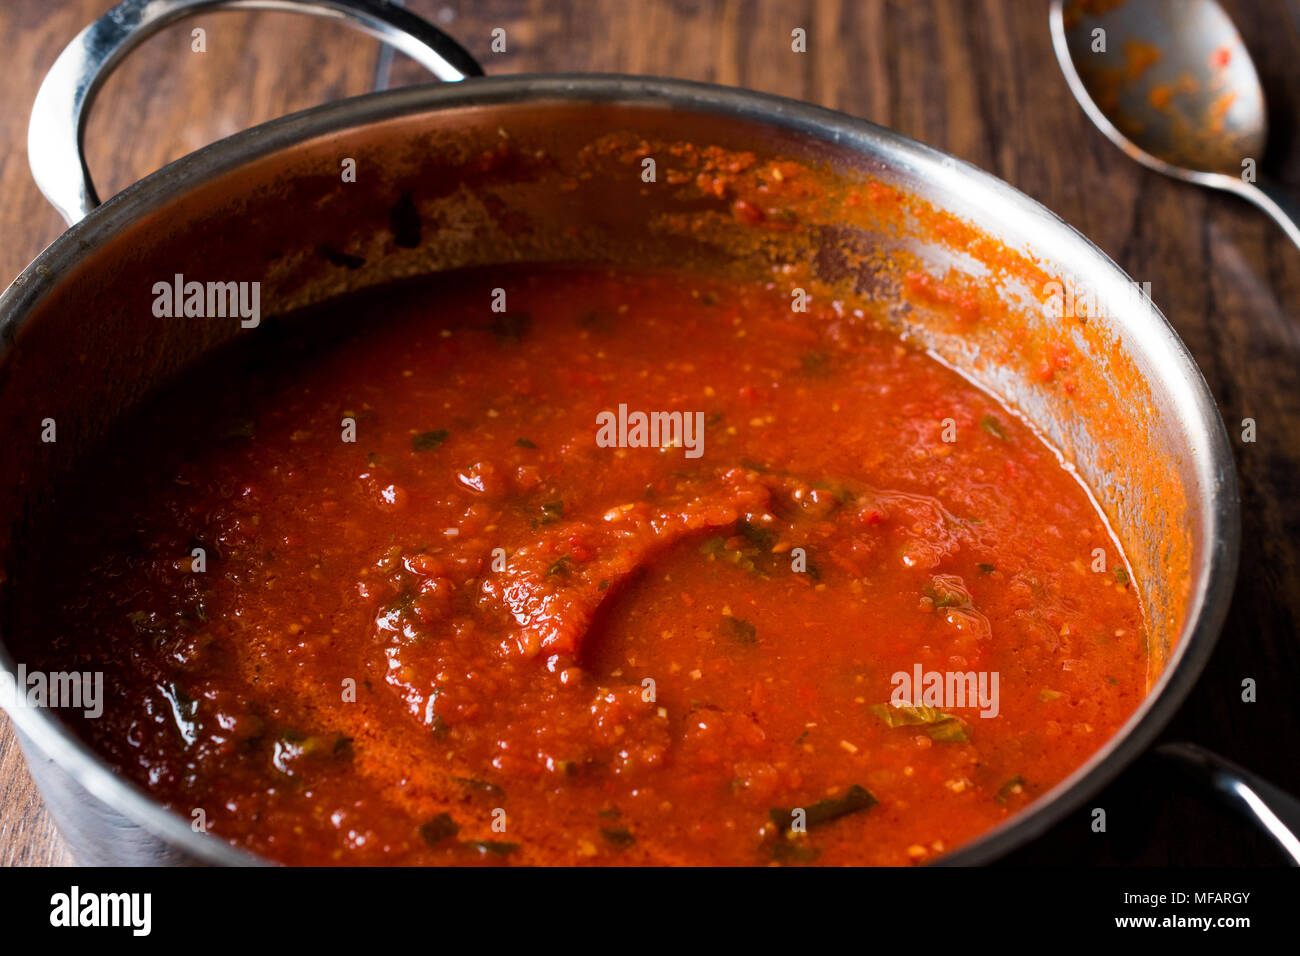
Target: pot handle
[
  {"x": 1273, "y": 810},
  {"x": 56, "y": 134}
]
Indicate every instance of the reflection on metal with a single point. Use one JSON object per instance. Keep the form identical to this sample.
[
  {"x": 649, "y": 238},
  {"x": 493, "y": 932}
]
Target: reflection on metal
[
  {"x": 1257, "y": 800},
  {"x": 384, "y": 65}
]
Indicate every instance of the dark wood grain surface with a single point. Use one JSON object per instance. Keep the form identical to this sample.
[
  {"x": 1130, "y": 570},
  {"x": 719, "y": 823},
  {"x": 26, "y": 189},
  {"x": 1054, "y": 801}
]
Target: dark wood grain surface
[{"x": 974, "y": 77}]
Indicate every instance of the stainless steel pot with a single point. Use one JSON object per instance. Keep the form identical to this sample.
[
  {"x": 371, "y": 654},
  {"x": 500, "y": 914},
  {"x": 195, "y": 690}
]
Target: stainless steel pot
[{"x": 78, "y": 343}]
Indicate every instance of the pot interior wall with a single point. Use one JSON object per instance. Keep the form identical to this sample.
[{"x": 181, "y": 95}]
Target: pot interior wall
[{"x": 563, "y": 182}]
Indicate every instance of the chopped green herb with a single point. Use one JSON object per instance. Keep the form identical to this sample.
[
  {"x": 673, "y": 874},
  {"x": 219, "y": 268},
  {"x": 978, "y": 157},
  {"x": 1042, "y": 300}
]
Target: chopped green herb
[
  {"x": 815, "y": 364},
  {"x": 618, "y": 837},
  {"x": 740, "y": 630},
  {"x": 1047, "y": 694},
  {"x": 524, "y": 443},
  {"x": 716, "y": 549},
  {"x": 856, "y": 798},
  {"x": 760, "y": 538},
  {"x": 239, "y": 431},
  {"x": 1015, "y": 785},
  {"x": 712, "y": 547},
  {"x": 512, "y": 326},
  {"x": 1121, "y": 577},
  {"x": 757, "y": 546},
  {"x": 427, "y": 441},
  {"x": 609, "y": 813},
  {"x": 442, "y": 827},
  {"x": 993, "y": 427},
  {"x": 986, "y": 568},
  {"x": 552, "y": 511},
  {"x": 481, "y": 786},
  {"x": 401, "y": 604},
  {"x": 603, "y": 585},
  {"x": 952, "y": 731},
  {"x": 941, "y": 727},
  {"x": 842, "y": 494},
  {"x": 559, "y": 566}
]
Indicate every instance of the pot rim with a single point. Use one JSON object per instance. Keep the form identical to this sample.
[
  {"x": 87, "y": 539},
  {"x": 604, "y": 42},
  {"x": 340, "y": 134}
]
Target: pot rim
[{"x": 1213, "y": 577}]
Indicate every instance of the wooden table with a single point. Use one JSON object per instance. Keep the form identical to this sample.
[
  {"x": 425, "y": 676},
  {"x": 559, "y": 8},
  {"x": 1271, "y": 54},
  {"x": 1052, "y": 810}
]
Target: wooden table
[{"x": 975, "y": 78}]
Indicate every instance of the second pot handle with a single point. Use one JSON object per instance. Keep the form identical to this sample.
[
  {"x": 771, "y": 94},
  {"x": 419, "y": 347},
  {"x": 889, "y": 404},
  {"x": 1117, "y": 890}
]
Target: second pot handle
[
  {"x": 1271, "y": 809},
  {"x": 55, "y": 135}
]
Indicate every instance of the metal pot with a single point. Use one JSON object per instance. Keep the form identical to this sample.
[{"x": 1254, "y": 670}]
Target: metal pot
[{"x": 78, "y": 342}]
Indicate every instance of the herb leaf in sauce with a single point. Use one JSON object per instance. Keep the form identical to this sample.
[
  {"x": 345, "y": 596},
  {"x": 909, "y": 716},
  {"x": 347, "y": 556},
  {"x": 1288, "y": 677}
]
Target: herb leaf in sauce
[
  {"x": 714, "y": 546},
  {"x": 739, "y": 630},
  {"x": 428, "y": 441},
  {"x": 854, "y": 800},
  {"x": 480, "y": 786},
  {"x": 945, "y": 728},
  {"x": 815, "y": 364},
  {"x": 239, "y": 431},
  {"x": 757, "y": 547},
  {"x": 761, "y": 538},
  {"x": 993, "y": 427},
  {"x": 440, "y": 828},
  {"x": 1012, "y": 787},
  {"x": 618, "y": 837}
]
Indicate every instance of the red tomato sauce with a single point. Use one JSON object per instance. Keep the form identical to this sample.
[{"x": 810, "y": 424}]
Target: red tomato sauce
[{"x": 475, "y": 635}]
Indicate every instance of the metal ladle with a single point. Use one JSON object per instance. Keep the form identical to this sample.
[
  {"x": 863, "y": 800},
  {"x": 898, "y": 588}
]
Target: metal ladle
[{"x": 1171, "y": 83}]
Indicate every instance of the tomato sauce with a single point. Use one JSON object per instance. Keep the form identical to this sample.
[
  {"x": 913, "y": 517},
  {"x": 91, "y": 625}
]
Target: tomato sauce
[{"x": 434, "y": 621}]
